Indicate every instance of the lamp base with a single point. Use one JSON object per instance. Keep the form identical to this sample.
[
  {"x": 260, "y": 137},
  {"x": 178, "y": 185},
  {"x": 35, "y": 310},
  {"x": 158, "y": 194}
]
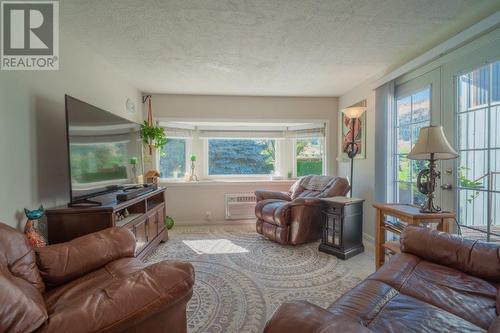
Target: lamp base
[
  {"x": 426, "y": 184},
  {"x": 426, "y": 209}
]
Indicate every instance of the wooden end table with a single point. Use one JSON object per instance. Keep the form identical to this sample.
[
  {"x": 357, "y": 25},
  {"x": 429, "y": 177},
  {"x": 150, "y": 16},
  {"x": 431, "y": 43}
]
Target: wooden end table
[
  {"x": 343, "y": 227},
  {"x": 409, "y": 214}
]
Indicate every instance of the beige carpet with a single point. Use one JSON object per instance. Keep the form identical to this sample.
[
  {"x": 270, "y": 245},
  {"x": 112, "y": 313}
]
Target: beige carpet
[{"x": 241, "y": 277}]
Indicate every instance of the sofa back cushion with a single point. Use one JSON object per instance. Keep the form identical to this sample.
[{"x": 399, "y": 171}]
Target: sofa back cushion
[
  {"x": 17, "y": 257},
  {"x": 314, "y": 186},
  {"x": 473, "y": 257},
  {"x": 61, "y": 263}
]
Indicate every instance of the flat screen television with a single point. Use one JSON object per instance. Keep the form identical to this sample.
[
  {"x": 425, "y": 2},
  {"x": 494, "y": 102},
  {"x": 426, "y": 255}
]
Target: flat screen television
[{"x": 101, "y": 150}]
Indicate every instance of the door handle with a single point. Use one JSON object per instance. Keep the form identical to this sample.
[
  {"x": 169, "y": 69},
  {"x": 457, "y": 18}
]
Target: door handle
[{"x": 447, "y": 187}]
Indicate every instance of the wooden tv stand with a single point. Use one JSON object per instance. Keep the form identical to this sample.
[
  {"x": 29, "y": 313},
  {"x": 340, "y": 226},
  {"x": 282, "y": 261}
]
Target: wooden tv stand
[{"x": 145, "y": 220}]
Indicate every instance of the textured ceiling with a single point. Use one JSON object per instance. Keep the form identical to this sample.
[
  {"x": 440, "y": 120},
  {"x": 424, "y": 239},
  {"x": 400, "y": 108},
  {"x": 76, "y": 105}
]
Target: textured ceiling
[{"x": 268, "y": 47}]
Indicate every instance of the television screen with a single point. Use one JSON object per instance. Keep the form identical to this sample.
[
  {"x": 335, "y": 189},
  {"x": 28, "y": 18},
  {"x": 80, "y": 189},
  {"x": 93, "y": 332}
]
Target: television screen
[{"x": 102, "y": 149}]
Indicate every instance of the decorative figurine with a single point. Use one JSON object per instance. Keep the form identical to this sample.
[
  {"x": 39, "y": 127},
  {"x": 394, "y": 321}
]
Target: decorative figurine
[
  {"x": 33, "y": 236},
  {"x": 192, "y": 176},
  {"x": 152, "y": 177}
]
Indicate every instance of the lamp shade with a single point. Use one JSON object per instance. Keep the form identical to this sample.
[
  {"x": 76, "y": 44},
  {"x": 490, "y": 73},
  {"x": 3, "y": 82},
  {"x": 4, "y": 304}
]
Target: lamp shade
[
  {"x": 431, "y": 140},
  {"x": 354, "y": 112}
]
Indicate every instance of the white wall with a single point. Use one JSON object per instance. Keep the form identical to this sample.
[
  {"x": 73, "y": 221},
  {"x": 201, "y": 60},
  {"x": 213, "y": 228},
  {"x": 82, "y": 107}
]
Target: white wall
[
  {"x": 189, "y": 203},
  {"x": 202, "y": 197},
  {"x": 364, "y": 169},
  {"x": 33, "y": 168}
]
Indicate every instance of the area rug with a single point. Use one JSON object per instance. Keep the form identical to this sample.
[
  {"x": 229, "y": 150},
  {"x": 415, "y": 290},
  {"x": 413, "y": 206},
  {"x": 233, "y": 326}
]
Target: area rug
[{"x": 241, "y": 277}]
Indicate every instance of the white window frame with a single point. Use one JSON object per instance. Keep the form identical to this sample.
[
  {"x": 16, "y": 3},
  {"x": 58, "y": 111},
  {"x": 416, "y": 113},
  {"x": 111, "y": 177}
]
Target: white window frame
[
  {"x": 294, "y": 154},
  {"x": 250, "y": 176},
  {"x": 157, "y": 158}
]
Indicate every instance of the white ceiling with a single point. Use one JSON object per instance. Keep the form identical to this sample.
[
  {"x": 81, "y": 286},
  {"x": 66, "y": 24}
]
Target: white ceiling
[{"x": 267, "y": 47}]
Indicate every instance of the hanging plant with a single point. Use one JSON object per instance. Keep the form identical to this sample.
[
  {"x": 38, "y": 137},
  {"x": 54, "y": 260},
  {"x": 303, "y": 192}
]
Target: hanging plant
[{"x": 152, "y": 135}]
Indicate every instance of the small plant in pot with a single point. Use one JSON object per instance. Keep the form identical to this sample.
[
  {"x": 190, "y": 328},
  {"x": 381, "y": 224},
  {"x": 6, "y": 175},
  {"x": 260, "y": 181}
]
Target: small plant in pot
[
  {"x": 169, "y": 222},
  {"x": 154, "y": 137}
]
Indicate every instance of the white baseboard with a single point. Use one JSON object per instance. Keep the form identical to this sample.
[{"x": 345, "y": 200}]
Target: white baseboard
[{"x": 369, "y": 241}]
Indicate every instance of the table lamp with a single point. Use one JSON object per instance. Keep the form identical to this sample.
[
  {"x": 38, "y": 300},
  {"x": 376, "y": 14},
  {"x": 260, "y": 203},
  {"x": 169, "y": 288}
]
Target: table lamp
[
  {"x": 352, "y": 149},
  {"x": 432, "y": 146}
]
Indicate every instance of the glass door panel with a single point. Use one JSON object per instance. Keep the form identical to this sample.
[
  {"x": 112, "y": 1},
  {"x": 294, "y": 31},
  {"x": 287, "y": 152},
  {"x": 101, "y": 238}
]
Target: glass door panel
[
  {"x": 478, "y": 104},
  {"x": 413, "y": 111}
]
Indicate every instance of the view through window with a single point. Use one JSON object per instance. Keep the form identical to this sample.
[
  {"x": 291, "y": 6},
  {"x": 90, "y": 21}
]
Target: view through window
[
  {"x": 309, "y": 154},
  {"x": 241, "y": 156},
  {"x": 478, "y": 116},
  {"x": 412, "y": 113},
  {"x": 173, "y": 159}
]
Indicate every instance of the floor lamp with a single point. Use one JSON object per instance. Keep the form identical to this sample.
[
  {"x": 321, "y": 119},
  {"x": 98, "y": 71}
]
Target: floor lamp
[{"x": 352, "y": 148}]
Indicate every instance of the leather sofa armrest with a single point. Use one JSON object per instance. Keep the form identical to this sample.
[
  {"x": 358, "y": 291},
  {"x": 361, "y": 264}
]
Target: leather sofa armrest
[
  {"x": 266, "y": 194},
  {"x": 476, "y": 258},
  {"x": 304, "y": 317},
  {"x": 61, "y": 263},
  {"x": 129, "y": 300}
]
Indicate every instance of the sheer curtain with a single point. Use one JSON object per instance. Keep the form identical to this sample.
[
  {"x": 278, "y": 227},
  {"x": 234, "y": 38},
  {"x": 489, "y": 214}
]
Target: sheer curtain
[{"x": 384, "y": 107}]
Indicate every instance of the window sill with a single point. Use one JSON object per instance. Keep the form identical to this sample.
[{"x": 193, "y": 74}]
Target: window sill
[{"x": 226, "y": 182}]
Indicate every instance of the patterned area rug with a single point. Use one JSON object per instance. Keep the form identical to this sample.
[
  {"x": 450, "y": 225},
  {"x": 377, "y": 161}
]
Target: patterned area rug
[{"x": 241, "y": 277}]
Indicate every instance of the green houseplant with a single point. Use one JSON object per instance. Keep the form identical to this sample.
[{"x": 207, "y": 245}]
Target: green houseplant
[
  {"x": 153, "y": 136},
  {"x": 169, "y": 222}
]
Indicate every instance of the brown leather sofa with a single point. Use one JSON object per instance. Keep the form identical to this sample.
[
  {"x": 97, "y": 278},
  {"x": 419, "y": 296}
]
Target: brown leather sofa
[
  {"x": 440, "y": 283},
  {"x": 295, "y": 217},
  {"x": 91, "y": 284}
]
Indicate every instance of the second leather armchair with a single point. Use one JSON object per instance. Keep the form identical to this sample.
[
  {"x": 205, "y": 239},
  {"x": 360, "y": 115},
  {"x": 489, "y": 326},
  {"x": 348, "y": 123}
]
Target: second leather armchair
[{"x": 295, "y": 217}]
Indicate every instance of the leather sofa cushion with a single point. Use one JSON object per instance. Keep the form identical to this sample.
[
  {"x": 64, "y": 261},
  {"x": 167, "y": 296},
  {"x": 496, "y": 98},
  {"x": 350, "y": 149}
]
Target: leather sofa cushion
[
  {"x": 477, "y": 258},
  {"x": 382, "y": 308},
  {"x": 61, "y": 263},
  {"x": 22, "y": 309},
  {"x": 444, "y": 294},
  {"x": 304, "y": 317},
  {"x": 91, "y": 283},
  {"x": 17, "y": 256},
  {"x": 273, "y": 211},
  {"x": 101, "y": 300}
]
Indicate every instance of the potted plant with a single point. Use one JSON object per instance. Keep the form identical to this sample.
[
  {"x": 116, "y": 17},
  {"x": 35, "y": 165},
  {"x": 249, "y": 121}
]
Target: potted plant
[{"x": 154, "y": 137}]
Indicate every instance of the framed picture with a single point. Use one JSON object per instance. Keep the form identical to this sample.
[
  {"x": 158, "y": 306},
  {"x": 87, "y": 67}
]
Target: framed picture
[{"x": 359, "y": 127}]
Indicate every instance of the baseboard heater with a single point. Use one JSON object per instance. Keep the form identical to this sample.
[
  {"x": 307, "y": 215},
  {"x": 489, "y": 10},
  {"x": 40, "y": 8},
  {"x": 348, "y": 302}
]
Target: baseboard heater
[{"x": 240, "y": 206}]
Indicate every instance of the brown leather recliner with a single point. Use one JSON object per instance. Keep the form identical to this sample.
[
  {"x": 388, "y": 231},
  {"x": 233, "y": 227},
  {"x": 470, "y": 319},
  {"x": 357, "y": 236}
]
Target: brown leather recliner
[
  {"x": 440, "y": 283},
  {"x": 295, "y": 217},
  {"x": 91, "y": 284}
]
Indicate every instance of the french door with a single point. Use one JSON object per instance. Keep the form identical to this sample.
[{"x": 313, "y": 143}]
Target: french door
[
  {"x": 417, "y": 105},
  {"x": 477, "y": 113},
  {"x": 471, "y": 101}
]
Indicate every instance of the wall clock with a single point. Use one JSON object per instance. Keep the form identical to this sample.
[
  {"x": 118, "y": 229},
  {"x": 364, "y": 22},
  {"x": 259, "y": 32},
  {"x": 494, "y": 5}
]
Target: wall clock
[{"x": 130, "y": 106}]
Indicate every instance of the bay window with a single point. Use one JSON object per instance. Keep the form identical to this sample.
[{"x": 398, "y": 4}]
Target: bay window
[
  {"x": 309, "y": 156},
  {"x": 173, "y": 158},
  {"x": 244, "y": 157}
]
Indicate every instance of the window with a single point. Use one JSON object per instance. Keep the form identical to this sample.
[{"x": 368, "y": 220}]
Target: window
[
  {"x": 478, "y": 113},
  {"x": 173, "y": 159},
  {"x": 309, "y": 156},
  {"x": 241, "y": 157},
  {"x": 412, "y": 113}
]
